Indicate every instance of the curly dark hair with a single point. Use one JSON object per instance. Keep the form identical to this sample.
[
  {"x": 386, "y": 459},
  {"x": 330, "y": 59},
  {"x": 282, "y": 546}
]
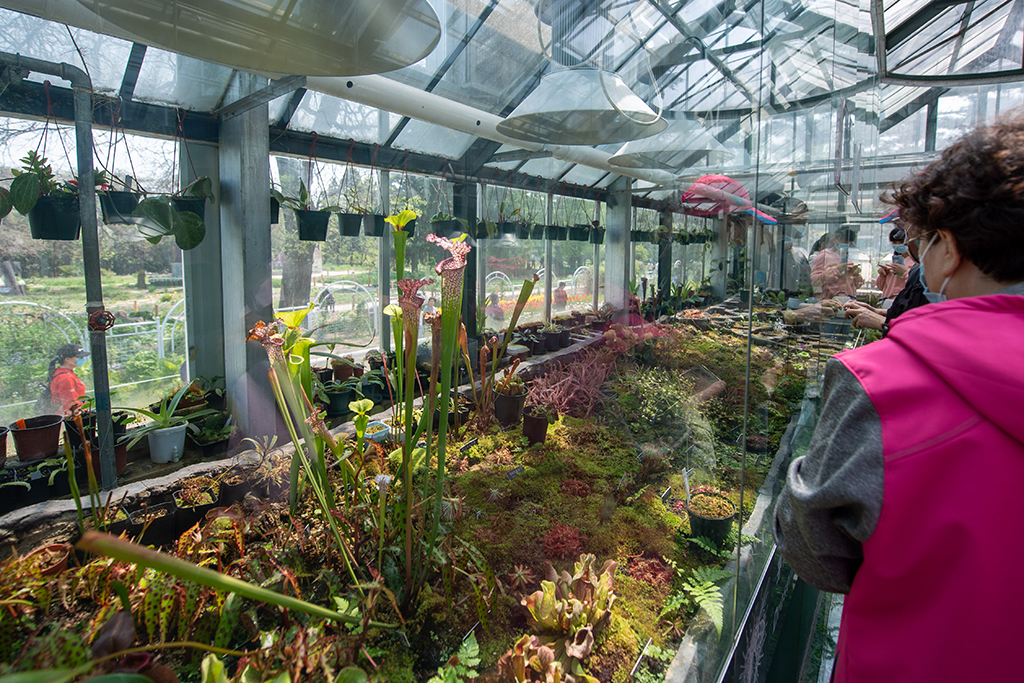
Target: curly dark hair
[{"x": 975, "y": 190}]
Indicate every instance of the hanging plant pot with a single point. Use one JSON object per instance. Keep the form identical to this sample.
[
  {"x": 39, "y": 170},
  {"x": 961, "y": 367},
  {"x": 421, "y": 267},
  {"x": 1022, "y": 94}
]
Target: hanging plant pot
[
  {"x": 275, "y": 211},
  {"x": 55, "y": 218},
  {"x": 579, "y": 233},
  {"x": 117, "y": 206},
  {"x": 373, "y": 225},
  {"x": 508, "y": 408},
  {"x": 506, "y": 228},
  {"x": 36, "y": 438},
  {"x": 481, "y": 231},
  {"x": 445, "y": 228},
  {"x": 637, "y": 236},
  {"x": 349, "y": 224},
  {"x": 312, "y": 225},
  {"x": 711, "y": 516},
  {"x": 537, "y": 232},
  {"x": 597, "y": 236},
  {"x": 523, "y": 231},
  {"x": 196, "y": 205}
]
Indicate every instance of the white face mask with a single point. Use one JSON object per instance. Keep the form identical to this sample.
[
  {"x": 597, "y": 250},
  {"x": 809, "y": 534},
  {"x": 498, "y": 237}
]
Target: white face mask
[{"x": 933, "y": 297}]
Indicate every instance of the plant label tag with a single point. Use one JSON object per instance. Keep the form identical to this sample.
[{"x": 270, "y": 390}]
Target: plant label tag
[
  {"x": 640, "y": 458},
  {"x": 469, "y": 444},
  {"x": 665, "y": 493},
  {"x": 34, "y": 475},
  {"x": 512, "y": 474},
  {"x": 686, "y": 482}
]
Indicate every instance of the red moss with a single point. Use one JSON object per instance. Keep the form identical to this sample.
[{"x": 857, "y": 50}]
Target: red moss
[
  {"x": 563, "y": 541},
  {"x": 575, "y": 487}
]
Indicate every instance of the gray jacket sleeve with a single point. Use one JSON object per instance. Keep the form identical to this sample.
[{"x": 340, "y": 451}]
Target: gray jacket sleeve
[{"x": 833, "y": 495}]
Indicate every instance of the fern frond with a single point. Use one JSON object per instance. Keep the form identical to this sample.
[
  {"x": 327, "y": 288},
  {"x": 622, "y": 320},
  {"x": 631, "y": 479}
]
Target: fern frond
[
  {"x": 710, "y": 574},
  {"x": 709, "y": 598}
]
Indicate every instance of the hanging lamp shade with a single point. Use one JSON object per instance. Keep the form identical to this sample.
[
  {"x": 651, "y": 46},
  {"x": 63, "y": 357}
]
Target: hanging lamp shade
[
  {"x": 301, "y": 37},
  {"x": 583, "y": 106},
  {"x": 677, "y": 147}
]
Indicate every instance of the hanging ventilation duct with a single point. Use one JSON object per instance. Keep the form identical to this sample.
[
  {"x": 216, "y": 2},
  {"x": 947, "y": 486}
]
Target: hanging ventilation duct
[
  {"x": 678, "y": 147},
  {"x": 585, "y": 106},
  {"x": 303, "y": 37}
]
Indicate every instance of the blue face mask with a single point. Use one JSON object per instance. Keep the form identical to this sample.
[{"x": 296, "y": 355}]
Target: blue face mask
[
  {"x": 81, "y": 361},
  {"x": 901, "y": 248},
  {"x": 932, "y": 297}
]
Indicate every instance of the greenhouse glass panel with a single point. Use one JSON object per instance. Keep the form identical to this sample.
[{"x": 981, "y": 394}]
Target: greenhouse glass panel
[
  {"x": 180, "y": 81},
  {"x": 430, "y": 139},
  {"x": 329, "y": 115},
  {"x": 34, "y": 37}
]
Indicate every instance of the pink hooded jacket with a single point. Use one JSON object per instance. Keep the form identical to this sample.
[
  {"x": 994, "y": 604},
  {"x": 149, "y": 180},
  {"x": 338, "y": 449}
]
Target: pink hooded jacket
[{"x": 939, "y": 594}]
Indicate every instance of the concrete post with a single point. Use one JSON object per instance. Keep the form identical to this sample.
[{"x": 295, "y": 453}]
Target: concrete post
[{"x": 616, "y": 245}]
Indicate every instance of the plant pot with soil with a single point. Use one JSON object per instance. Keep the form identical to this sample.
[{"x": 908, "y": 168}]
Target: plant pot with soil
[
  {"x": 192, "y": 504},
  {"x": 234, "y": 486},
  {"x": 509, "y": 398},
  {"x": 48, "y": 560},
  {"x": 710, "y": 513},
  {"x": 535, "y": 422},
  {"x": 36, "y": 438},
  {"x": 153, "y": 524}
]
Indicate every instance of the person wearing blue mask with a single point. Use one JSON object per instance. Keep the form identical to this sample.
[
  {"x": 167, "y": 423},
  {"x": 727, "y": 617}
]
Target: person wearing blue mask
[
  {"x": 911, "y": 295},
  {"x": 909, "y": 489},
  {"x": 64, "y": 385}
]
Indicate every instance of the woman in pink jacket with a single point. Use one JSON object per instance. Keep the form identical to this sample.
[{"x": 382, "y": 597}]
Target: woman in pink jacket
[
  {"x": 908, "y": 497},
  {"x": 892, "y": 277}
]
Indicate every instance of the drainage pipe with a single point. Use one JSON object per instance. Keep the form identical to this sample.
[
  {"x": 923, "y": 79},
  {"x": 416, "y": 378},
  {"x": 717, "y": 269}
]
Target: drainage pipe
[
  {"x": 81, "y": 85},
  {"x": 405, "y": 100}
]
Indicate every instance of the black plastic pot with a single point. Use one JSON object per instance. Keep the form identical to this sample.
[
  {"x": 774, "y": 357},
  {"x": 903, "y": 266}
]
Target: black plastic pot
[
  {"x": 597, "y": 236},
  {"x": 3, "y": 445},
  {"x": 312, "y": 225},
  {"x": 196, "y": 205},
  {"x": 537, "y": 232},
  {"x": 160, "y": 531},
  {"x": 579, "y": 233},
  {"x": 373, "y": 225},
  {"x": 523, "y": 231},
  {"x": 716, "y": 530},
  {"x": 445, "y": 228},
  {"x": 551, "y": 341},
  {"x": 507, "y": 228},
  {"x": 538, "y": 347},
  {"x": 275, "y": 211},
  {"x": 117, "y": 206},
  {"x": 535, "y": 429},
  {"x": 481, "y": 231},
  {"x": 556, "y": 232},
  {"x": 338, "y": 402},
  {"x": 349, "y": 224},
  {"x": 213, "y": 449},
  {"x": 324, "y": 374},
  {"x": 234, "y": 492},
  {"x": 187, "y": 515},
  {"x": 38, "y": 439},
  {"x": 508, "y": 409},
  {"x": 55, "y": 218},
  {"x": 565, "y": 338},
  {"x": 11, "y": 497},
  {"x": 410, "y": 227}
]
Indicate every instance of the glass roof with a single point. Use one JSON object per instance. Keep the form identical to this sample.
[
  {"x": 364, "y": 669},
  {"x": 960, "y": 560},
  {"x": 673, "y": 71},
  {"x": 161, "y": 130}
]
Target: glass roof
[{"x": 720, "y": 61}]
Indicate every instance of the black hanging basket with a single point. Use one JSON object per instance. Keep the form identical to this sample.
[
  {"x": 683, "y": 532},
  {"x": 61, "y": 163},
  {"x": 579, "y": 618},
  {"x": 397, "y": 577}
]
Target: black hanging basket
[
  {"x": 196, "y": 205},
  {"x": 275, "y": 211},
  {"x": 312, "y": 225},
  {"x": 597, "y": 236},
  {"x": 523, "y": 231},
  {"x": 481, "y": 231},
  {"x": 373, "y": 225},
  {"x": 117, "y": 206},
  {"x": 55, "y": 218},
  {"x": 537, "y": 232},
  {"x": 410, "y": 227},
  {"x": 445, "y": 228},
  {"x": 579, "y": 233},
  {"x": 349, "y": 223},
  {"x": 507, "y": 228}
]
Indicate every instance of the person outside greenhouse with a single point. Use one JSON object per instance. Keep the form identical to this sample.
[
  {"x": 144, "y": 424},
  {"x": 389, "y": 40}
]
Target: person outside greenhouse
[
  {"x": 64, "y": 385},
  {"x": 560, "y": 297},
  {"x": 907, "y": 498}
]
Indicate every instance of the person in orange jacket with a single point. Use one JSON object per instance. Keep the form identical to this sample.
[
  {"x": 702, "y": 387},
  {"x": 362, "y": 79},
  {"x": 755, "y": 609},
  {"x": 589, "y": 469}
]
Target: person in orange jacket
[{"x": 65, "y": 387}]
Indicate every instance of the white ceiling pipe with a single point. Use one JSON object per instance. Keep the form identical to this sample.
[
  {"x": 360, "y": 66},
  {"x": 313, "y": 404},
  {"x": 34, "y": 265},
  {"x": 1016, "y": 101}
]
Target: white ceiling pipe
[{"x": 405, "y": 100}]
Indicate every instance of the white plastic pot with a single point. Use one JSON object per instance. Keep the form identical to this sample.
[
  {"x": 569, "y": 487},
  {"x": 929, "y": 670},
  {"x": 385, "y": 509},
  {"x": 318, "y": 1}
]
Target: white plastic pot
[{"x": 166, "y": 445}]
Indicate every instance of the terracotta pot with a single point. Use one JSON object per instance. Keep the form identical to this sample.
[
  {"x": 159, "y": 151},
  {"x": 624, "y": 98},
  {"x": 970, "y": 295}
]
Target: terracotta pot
[
  {"x": 120, "y": 458},
  {"x": 52, "y": 559}
]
